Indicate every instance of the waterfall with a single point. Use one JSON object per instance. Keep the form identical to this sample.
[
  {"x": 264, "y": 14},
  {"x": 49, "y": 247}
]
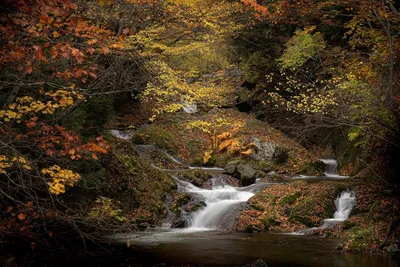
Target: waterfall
[
  {"x": 331, "y": 168},
  {"x": 344, "y": 204},
  {"x": 223, "y": 203}
]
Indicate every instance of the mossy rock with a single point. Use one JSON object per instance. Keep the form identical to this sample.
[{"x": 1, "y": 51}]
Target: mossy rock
[
  {"x": 196, "y": 177},
  {"x": 302, "y": 212},
  {"x": 136, "y": 184},
  {"x": 348, "y": 225},
  {"x": 253, "y": 228},
  {"x": 155, "y": 135},
  {"x": 313, "y": 168}
]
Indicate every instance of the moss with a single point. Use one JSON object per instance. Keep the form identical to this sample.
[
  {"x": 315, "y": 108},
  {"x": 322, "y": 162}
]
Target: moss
[
  {"x": 359, "y": 238},
  {"x": 196, "y": 177},
  {"x": 348, "y": 225},
  {"x": 251, "y": 228},
  {"x": 156, "y": 135},
  {"x": 268, "y": 222},
  {"x": 313, "y": 168},
  {"x": 257, "y": 206},
  {"x": 302, "y": 212},
  {"x": 290, "y": 199},
  {"x": 139, "y": 187}
]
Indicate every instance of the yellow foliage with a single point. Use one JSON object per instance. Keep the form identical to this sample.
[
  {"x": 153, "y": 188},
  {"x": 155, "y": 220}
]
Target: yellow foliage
[
  {"x": 27, "y": 106},
  {"x": 60, "y": 178},
  {"x": 247, "y": 152},
  {"x": 224, "y": 144},
  {"x": 207, "y": 156},
  {"x": 224, "y": 135},
  {"x": 6, "y": 163}
]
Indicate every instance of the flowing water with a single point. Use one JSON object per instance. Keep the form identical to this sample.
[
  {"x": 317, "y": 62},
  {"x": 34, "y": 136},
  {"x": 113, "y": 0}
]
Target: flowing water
[
  {"x": 344, "y": 204},
  {"x": 329, "y": 174},
  {"x": 223, "y": 202},
  {"x": 205, "y": 241}
]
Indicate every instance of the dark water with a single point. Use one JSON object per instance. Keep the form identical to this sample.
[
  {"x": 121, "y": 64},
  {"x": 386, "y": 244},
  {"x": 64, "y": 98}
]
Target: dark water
[{"x": 231, "y": 249}]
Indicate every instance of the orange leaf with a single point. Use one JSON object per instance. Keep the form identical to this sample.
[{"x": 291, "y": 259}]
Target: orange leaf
[
  {"x": 247, "y": 152},
  {"x": 105, "y": 50},
  {"x": 22, "y": 216},
  {"x": 9, "y": 209},
  {"x": 31, "y": 124}
]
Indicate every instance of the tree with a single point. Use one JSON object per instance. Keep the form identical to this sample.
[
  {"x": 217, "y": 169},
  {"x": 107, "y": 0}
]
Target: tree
[{"x": 48, "y": 51}]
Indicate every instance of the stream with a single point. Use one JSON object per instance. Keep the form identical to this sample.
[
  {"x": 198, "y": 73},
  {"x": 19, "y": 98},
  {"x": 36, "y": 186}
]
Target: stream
[{"x": 206, "y": 240}]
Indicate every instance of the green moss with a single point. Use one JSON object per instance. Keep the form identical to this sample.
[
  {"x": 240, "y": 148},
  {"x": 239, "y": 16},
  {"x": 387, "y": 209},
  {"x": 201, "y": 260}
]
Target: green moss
[
  {"x": 359, "y": 238},
  {"x": 253, "y": 228},
  {"x": 313, "y": 168},
  {"x": 302, "y": 212},
  {"x": 348, "y": 225},
  {"x": 290, "y": 199},
  {"x": 257, "y": 206},
  {"x": 196, "y": 177},
  {"x": 155, "y": 135},
  {"x": 268, "y": 222}
]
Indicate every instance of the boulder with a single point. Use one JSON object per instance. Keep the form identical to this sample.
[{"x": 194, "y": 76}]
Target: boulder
[
  {"x": 260, "y": 174},
  {"x": 264, "y": 150},
  {"x": 231, "y": 166},
  {"x": 247, "y": 174}
]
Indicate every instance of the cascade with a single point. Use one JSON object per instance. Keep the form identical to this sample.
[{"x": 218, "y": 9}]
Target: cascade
[
  {"x": 344, "y": 204},
  {"x": 222, "y": 203},
  {"x": 331, "y": 168}
]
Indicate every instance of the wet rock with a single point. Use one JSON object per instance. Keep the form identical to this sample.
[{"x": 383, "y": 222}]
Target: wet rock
[
  {"x": 222, "y": 179},
  {"x": 257, "y": 263},
  {"x": 247, "y": 174},
  {"x": 260, "y": 174},
  {"x": 231, "y": 166},
  {"x": 196, "y": 177},
  {"x": 179, "y": 223}
]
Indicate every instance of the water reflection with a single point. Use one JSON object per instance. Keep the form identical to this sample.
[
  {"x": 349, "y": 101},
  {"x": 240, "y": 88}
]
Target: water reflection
[{"x": 231, "y": 249}]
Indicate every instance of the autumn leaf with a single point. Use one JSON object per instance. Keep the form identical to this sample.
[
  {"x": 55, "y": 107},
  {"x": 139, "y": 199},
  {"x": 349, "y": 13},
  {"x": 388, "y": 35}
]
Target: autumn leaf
[
  {"x": 105, "y": 50},
  {"x": 30, "y": 124},
  {"x": 21, "y": 216}
]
